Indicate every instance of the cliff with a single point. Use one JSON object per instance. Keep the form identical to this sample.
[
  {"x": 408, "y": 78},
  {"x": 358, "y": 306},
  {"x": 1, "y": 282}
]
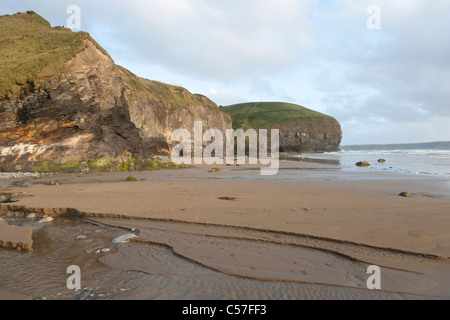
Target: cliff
[
  {"x": 301, "y": 129},
  {"x": 65, "y": 104}
]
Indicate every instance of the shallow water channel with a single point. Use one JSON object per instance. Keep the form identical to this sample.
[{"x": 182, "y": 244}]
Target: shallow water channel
[{"x": 42, "y": 273}]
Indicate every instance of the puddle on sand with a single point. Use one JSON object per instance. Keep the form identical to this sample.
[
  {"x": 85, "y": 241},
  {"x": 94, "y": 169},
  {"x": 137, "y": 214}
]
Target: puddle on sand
[{"x": 41, "y": 274}]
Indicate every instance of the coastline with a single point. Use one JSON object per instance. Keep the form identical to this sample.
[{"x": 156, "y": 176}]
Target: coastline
[{"x": 358, "y": 216}]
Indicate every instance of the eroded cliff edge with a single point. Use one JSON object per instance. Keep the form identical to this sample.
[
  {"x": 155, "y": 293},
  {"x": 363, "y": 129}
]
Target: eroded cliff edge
[{"x": 65, "y": 104}]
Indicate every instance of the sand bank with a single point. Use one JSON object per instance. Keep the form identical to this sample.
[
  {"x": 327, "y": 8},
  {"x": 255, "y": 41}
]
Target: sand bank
[{"x": 16, "y": 237}]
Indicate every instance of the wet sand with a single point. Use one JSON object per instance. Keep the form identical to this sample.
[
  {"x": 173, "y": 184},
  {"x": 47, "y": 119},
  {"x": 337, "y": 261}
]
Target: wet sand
[
  {"x": 16, "y": 237},
  {"x": 311, "y": 224}
]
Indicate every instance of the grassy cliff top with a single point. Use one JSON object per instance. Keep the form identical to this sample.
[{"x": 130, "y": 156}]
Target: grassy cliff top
[
  {"x": 167, "y": 94},
  {"x": 31, "y": 50},
  {"x": 261, "y": 115}
]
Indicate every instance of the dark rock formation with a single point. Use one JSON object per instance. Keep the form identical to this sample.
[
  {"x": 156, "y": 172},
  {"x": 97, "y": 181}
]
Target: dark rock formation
[
  {"x": 310, "y": 135},
  {"x": 94, "y": 110}
]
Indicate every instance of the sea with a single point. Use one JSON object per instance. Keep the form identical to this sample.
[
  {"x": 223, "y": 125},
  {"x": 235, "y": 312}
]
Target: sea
[{"x": 426, "y": 159}]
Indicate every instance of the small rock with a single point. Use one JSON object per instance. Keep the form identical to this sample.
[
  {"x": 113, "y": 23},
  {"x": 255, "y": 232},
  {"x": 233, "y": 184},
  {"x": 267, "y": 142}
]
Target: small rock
[
  {"x": 2, "y": 220},
  {"x": 86, "y": 294},
  {"x": 102, "y": 250},
  {"x": 123, "y": 238},
  {"x": 227, "y": 198},
  {"x": 92, "y": 250},
  {"x": 31, "y": 216},
  {"x": 24, "y": 183},
  {"x": 81, "y": 237},
  {"x": 382, "y": 160},
  {"x": 45, "y": 220},
  {"x": 214, "y": 170},
  {"x": 131, "y": 178},
  {"x": 9, "y": 214},
  {"x": 51, "y": 183},
  {"x": 404, "y": 194},
  {"x": 362, "y": 164},
  {"x": 5, "y": 199}
]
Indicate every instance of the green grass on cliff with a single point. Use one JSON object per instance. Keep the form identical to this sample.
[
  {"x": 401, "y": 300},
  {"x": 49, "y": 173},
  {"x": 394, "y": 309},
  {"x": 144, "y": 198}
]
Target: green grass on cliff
[
  {"x": 169, "y": 95},
  {"x": 104, "y": 164},
  {"x": 261, "y": 115},
  {"x": 31, "y": 50}
]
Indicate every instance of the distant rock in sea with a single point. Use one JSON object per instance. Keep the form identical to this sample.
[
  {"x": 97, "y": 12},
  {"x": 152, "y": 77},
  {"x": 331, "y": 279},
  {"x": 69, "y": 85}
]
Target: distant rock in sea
[{"x": 362, "y": 164}]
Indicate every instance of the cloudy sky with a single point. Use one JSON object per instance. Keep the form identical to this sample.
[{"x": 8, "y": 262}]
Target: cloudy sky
[{"x": 380, "y": 67}]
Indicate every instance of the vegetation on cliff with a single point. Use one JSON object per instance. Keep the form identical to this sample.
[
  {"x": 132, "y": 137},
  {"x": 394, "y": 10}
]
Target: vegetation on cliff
[
  {"x": 261, "y": 115},
  {"x": 301, "y": 129},
  {"x": 125, "y": 162},
  {"x": 28, "y": 58},
  {"x": 171, "y": 96}
]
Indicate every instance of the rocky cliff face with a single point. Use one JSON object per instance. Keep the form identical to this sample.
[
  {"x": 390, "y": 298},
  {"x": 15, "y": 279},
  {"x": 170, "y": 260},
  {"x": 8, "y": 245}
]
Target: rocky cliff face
[
  {"x": 157, "y": 109},
  {"x": 310, "y": 135},
  {"x": 301, "y": 129},
  {"x": 93, "y": 110}
]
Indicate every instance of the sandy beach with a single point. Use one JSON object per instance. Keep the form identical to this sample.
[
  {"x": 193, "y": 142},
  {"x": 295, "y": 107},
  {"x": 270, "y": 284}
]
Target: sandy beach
[{"x": 310, "y": 225}]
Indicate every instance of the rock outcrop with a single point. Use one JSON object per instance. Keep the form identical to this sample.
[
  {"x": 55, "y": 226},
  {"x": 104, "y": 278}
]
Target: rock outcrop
[
  {"x": 88, "y": 110},
  {"x": 301, "y": 130},
  {"x": 310, "y": 135}
]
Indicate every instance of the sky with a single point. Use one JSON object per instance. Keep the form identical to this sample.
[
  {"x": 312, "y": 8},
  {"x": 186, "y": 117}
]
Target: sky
[{"x": 380, "y": 67}]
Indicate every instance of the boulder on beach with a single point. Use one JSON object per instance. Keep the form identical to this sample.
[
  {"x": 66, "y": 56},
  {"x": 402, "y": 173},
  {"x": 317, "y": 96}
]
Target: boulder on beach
[
  {"x": 45, "y": 220},
  {"x": 31, "y": 216},
  {"x": 363, "y": 164},
  {"x": 24, "y": 183},
  {"x": 382, "y": 160},
  {"x": 404, "y": 194},
  {"x": 86, "y": 294},
  {"x": 5, "y": 199}
]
